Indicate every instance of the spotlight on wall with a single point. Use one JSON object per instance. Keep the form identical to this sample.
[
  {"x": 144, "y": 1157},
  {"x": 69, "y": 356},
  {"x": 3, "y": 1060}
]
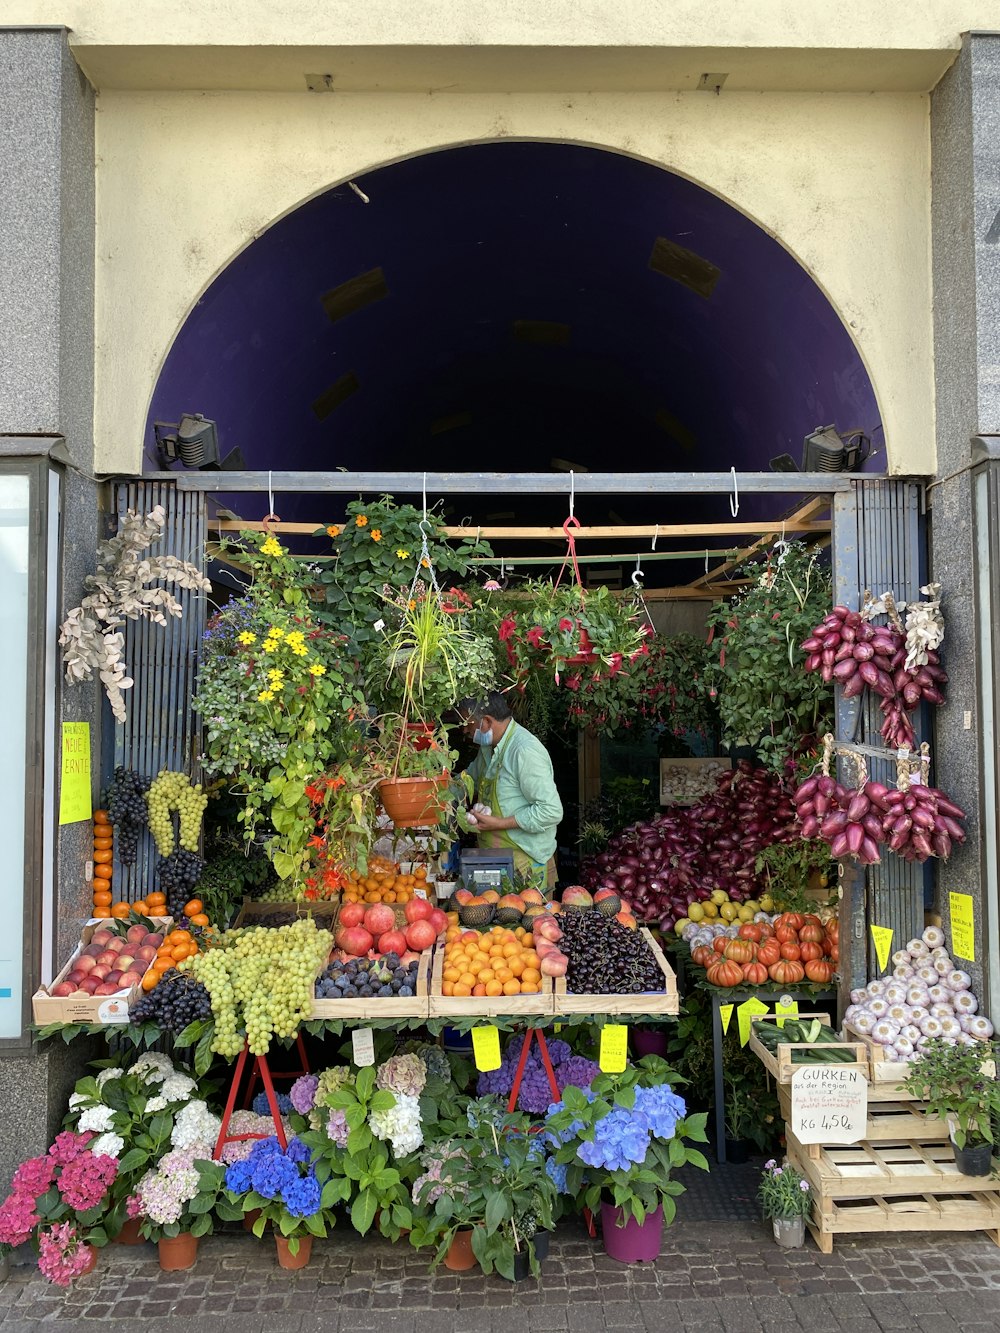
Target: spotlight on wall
[
  {"x": 827, "y": 451},
  {"x": 194, "y": 441}
]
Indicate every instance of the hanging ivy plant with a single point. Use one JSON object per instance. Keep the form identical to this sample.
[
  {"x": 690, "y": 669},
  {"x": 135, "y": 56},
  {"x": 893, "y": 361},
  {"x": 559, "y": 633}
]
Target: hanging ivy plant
[{"x": 766, "y": 698}]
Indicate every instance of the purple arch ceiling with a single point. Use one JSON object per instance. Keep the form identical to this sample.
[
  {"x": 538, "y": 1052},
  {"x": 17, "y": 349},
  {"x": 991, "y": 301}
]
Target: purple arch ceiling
[{"x": 472, "y": 240}]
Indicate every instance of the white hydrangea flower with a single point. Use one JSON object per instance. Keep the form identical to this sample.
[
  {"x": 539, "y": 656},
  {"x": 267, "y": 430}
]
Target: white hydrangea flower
[
  {"x": 77, "y": 1099},
  {"x": 106, "y": 1074},
  {"x": 153, "y": 1067},
  {"x": 97, "y": 1118},
  {"x": 108, "y": 1145},
  {"x": 156, "y": 1104},
  {"x": 178, "y": 1087},
  {"x": 195, "y": 1123},
  {"x": 401, "y": 1123}
]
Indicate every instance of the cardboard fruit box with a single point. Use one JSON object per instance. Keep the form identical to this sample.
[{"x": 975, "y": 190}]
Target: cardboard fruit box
[{"x": 48, "y": 1008}]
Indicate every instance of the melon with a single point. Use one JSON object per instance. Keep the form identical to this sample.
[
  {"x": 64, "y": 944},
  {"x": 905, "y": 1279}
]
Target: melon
[
  {"x": 577, "y": 899},
  {"x": 510, "y": 909},
  {"x": 608, "y": 902},
  {"x": 476, "y": 914}
]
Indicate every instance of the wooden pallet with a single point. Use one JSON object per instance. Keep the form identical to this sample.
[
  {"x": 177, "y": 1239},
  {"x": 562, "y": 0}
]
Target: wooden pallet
[
  {"x": 893, "y": 1121},
  {"x": 779, "y": 1063},
  {"x": 666, "y": 1001},
  {"x": 919, "y": 1212},
  {"x": 485, "y": 1006},
  {"x": 385, "y": 1006}
]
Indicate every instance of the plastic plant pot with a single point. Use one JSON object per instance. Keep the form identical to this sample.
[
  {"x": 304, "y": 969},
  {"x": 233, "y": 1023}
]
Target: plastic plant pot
[{"x": 635, "y": 1242}]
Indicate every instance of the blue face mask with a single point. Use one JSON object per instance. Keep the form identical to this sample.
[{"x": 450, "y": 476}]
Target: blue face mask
[{"x": 481, "y": 737}]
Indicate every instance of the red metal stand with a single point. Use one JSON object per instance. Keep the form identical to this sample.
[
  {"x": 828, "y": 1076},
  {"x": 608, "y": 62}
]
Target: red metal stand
[
  {"x": 290, "y": 1075},
  {"x": 260, "y": 1067},
  {"x": 538, "y": 1036}
]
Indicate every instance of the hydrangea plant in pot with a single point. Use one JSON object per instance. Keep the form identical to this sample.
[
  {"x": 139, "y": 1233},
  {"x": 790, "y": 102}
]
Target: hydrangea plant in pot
[
  {"x": 786, "y": 1200},
  {"x": 620, "y": 1140},
  {"x": 958, "y": 1083},
  {"x": 280, "y": 1186}
]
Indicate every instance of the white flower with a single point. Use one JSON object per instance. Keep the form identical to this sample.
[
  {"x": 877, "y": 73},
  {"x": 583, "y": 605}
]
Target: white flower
[
  {"x": 77, "y": 1099},
  {"x": 108, "y": 1145},
  {"x": 97, "y": 1118},
  {"x": 195, "y": 1124},
  {"x": 153, "y": 1067},
  {"x": 401, "y": 1124},
  {"x": 156, "y": 1104},
  {"x": 178, "y": 1087},
  {"x": 107, "y": 1074}
]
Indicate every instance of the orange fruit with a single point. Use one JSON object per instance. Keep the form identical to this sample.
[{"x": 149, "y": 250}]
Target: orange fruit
[
  {"x": 200, "y": 919},
  {"x": 479, "y": 989},
  {"x": 447, "y": 988},
  {"x": 460, "y": 988},
  {"x": 530, "y": 988},
  {"x": 494, "y": 988},
  {"x": 451, "y": 974},
  {"x": 512, "y": 987},
  {"x": 179, "y": 937},
  {"x": 103, "y": 844},
  {"x": 193, "y": 907},
  {"x": 516, "y": 966},
  {"x": 179, "y": 951},
  {"x": 101, "y": 817},
  {"x": 103, "y": 872},
  {"x": 140, "y": 908},
  {"x": 467, "y": 979},
  {"x": 102, "y": 913},
  {"x": 503, "y": 973},
  {"x": 162, "y": 965},
  {"x": 530, "y": 974},
  {"x": 102, "y": 898},
  {"x": 150, "y": 978},
  {"x": 120, "y": 910},
  {"x": 102, "y": 858},
  {"x": 156, "y": 899}
]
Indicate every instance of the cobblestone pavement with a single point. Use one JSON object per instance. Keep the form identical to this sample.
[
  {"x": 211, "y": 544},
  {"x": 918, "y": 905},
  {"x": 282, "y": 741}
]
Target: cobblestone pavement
[{"x": 713, "y": 1277}]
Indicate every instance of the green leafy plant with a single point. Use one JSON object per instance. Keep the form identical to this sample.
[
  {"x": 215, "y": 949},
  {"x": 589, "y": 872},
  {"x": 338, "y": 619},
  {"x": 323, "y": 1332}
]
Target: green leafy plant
[
  {"x": 540, "y": 627},
  {"x": 784, "y": 1192},
  {"x": 766, "y": 698},
  {"x": 789, "y": 868},
  {"x": 952, "y": 1081},
  {"x": 623, "y": 801}
]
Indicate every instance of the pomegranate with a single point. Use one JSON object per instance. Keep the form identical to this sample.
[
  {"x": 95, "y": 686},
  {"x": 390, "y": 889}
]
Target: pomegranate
[
  {"x": 352, "y": 914},
  {"x": 420, "y": 935},
  {"x": 438, "y": 919},
  {"x": 379, "y": 918},
  {"x": 418, "y": 909},
  {"x": 354, "y": 940},
  {"x": 392, "y": 941}
]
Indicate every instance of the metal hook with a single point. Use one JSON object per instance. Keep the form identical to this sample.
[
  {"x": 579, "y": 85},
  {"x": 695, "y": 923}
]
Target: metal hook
[
  {"x": 656, "y": 533},
  {"x": 734, "y": 499},
  {"x": 637, "y": 575}
]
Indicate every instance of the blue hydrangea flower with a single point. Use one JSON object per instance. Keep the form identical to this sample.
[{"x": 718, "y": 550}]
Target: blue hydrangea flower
[
  {"x": 557, "y": 1172},
  {"x": 661, "y": 1108},
  {"x": 261, "y": 1106},
  {"x": 302, "y": 1196},
  {"x": 297, "y": 1152},
  {"x": 238, "y": 1177},
  {"x": 273, "y": 1174}
]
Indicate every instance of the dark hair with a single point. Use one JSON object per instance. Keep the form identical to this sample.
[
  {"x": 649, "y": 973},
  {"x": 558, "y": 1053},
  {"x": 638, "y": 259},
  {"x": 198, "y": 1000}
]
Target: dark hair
[{"x": 494, "y": 705}]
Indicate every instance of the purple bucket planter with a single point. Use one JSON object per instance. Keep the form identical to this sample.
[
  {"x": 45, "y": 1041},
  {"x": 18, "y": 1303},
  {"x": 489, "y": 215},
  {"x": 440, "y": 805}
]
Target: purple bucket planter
[
  {"x": 647, "y": 1041},
  {"x": 635, "y": 1242}
]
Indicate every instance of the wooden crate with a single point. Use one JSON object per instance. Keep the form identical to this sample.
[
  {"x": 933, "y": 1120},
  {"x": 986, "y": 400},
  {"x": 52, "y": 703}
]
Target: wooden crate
[
  {"x": 485, "y": 1006},
  {"x": 887, "y": 1121},
  {"x": 385, "y": 1006},
  {"x": 46, "y": 1008},
  {"x": 919, "y": 1212},
  {"x": 779, "y": 1064},
  {"x": 883, "y": 1072},
  {"x": 666, "y": 1001}
]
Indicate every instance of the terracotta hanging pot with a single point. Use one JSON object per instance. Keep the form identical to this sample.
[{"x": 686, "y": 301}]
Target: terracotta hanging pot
[
  {"x": 178, "y": 1252},
  {"x": 414, "y": 802},
  {"x": 420, "y": 735},
  {"x": 297, "y": 1260},
  {"x": 586, "y": 653}
]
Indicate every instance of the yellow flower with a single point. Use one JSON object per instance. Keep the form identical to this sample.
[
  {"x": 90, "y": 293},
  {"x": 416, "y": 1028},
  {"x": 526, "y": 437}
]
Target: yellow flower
[
  {"x": 269, "y": 645},
  {"x": 425, "y": 563},
  {"x": 317, "y": 669},
  {"x": 272, "y": 547},
  {"x": 265, "y": 696},
  {"x": 376, "y": 534},
  {"x": 333, "y": 530},
  {"x": 299, "y": 649},
  {"x": 246, "y": 637},
  {"x": 402, "y": 555},
  {"x": 362, "y": 520},
  {"x": 275, "y": 633},
  {"x": 411, "y": 605},
  {"x": 276, "y": 675},
  {"x": 294, "y": 636}
]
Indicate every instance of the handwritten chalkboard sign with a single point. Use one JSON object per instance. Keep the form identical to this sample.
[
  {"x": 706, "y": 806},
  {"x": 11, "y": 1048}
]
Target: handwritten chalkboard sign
[{"x": 829, "y": 1104}]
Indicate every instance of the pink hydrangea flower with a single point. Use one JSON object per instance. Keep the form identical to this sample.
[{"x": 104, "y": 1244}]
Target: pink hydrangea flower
[
  {"x": 62, "y": 1254},
  {"x": 68, "y": 1146},
  {"x": 35, "y": 1175},
  {"x": 18, "y": 1218}
]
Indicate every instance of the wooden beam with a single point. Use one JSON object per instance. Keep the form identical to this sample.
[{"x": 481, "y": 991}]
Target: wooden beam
[
  {"x": 489, "y": 533},
  {"x": 515, "y": 483},
  {"x": 815, "y": 505}
]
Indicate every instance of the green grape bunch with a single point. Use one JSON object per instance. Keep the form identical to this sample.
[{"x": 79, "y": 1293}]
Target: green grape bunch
[
  {"x": 170, "y": 791},
  {"x": 261, "y": 982}
]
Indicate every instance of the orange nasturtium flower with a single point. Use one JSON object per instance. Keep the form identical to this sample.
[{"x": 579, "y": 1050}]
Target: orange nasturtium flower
[
  {"x": 362, "y": 520},
  {"x": 333, "y": 530},
  {"x": 376, "y": 534}
]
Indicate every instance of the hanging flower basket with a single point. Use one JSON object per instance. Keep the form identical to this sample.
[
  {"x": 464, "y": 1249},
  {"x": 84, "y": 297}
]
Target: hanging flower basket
[
  {"x": 587, "y": 653},
  {"x": 414, "y": 802}
]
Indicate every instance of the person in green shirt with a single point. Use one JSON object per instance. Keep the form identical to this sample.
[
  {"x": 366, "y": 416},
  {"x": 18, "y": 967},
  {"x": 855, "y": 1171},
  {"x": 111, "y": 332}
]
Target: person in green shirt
[{"x": 512, "y": 774}]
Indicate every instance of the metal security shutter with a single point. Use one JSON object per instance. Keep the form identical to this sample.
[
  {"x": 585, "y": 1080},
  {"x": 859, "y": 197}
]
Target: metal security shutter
[
  {"x": 878, "y": 539},
  {"x": 160, "y": 730}
]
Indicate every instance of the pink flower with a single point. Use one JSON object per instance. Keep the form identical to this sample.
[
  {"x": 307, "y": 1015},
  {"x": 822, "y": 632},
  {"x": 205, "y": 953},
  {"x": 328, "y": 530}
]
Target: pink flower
[
  {"x": 565, "y": 625},
  {"x": 62, "y": 1254},
  {"x": 573, "y": 683},
  {"x": 18, "y": 1218},
  {"x": 83, "y": 1182},
  {"x": 35, "y": 1175},
  {"x": 133, "y": 1206},
  {"x": 68, "y": 1146},
  {"x": 507, "y": 628},
  {"x": 535, "y": 636}
]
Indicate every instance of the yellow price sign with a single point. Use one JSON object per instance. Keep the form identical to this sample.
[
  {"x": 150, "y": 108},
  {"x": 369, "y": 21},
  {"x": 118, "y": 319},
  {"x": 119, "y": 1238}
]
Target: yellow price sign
[
  {"x": 486, "y": 1049},
  {"x": 783, "y": 1011},
  {"x": 74, "y": 785},
  {"x": 614, "y": 1048},
  {"x": 745, "y": 1012},
  {"x": 882, "y": 939},
  {"x": 963, "y": 926},
  {"x": 726, "y": 1014}
]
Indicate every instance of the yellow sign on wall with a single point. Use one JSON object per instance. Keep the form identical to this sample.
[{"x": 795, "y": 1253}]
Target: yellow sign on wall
[
  {"x": 963, "y": 926},
  {"x": 74, "y": 787}
]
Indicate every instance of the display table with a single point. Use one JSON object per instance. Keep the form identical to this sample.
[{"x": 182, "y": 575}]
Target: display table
[{"x": 769, "y": 995}]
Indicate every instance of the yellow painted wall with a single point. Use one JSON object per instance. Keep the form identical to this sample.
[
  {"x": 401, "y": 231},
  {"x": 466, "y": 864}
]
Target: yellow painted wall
[{"x": 186, "y": 180}]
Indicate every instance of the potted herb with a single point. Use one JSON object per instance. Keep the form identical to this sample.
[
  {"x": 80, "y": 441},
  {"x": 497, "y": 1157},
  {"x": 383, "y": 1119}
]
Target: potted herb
[
  {"x": 958, "y": 1084},
  {"x": 787, "y": 1201},
  {"x": 742, "y": 1113},
  {"x": 416, "y": 786},
  {"x": 281, "y": 1188},
  {"x": 620, "y": 1141}
]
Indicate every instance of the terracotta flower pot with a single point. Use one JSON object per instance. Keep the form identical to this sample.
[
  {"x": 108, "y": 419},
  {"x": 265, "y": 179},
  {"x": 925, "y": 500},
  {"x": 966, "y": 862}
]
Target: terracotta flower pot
[
  {"x": 298, "y": 1260},
  {"x": 129, "y": 1234},
  {"x": 586, "y": 653},
  {"x": 413, "y": 802},
  {"x": 91, "y": 1261},
  {"x": 250, "y": 1218},
  {"x": 460, "y": 1257},
  {"x": 178, "y": 1252},
  {"x": 420, "y": 735}
]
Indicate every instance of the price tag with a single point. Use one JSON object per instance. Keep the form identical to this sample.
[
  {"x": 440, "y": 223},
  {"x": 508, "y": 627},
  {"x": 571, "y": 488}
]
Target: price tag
[
  {"x": 745, "y": 1012},
  {"x": 614, "y": 1048},
  {"x": 726, "y": 1013},
  {"x": 486, "y": 1049},
  {"x": 829, "y": 1104},
  {"x": 363, "y": 1042},
  {"x": 420, "y": 893},
  {"x": 963, "y": 926},
  {"x": 786, "y": 1008},
  {"x": 882, "y": 939}
]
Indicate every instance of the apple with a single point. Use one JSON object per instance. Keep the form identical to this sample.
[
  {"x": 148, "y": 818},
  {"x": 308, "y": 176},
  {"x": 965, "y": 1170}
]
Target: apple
[
  {"x": 136, "y": 934},
  {"x": 106, "y": 989},
  {"x": 64, "y": 988},
  {"x": 89, "y": 984},
  {"x": 147, "y": 953},
  {"x": 417, "y": 909},
  {"x": 129, "y": 979}
]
